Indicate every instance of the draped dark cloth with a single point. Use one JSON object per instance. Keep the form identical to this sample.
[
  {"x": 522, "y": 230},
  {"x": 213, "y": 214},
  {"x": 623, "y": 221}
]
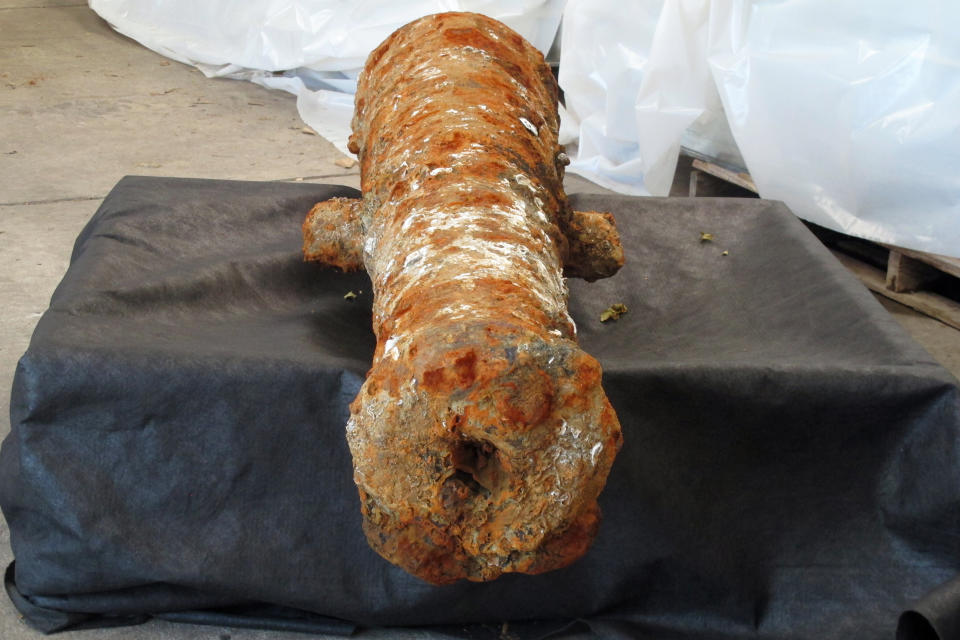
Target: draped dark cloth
[{"x": 790, "y": 469}]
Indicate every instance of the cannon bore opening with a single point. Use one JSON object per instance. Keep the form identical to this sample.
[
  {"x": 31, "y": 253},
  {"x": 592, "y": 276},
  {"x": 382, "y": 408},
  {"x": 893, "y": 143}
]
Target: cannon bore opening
[{"x": 477, "y": 466}]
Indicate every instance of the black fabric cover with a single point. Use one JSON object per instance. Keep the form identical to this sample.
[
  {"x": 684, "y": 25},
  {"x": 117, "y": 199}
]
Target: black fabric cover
[{"x": 791, "y": 466}]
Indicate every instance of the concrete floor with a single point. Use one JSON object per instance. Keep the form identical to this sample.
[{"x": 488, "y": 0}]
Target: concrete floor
[{"x": 80, "y": 107}]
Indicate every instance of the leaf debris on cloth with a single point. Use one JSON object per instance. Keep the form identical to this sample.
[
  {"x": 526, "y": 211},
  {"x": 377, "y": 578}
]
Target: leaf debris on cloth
[
  {"x": 308, "y": 131},
  {"x": 725, "y": 253},
  {"x": 706, "y": 237},
  {"x": 613, "y": 312},
  {"x": 345, "y": 162},
  {"x": 349, "y": 295}
]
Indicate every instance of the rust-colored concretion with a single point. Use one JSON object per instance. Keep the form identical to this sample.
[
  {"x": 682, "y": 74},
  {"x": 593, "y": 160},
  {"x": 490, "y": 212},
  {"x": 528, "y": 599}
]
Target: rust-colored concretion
[{"x": 481, "y": 437}]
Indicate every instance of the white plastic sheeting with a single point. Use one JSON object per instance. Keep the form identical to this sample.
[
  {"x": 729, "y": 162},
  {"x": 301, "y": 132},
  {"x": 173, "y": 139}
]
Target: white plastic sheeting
[
  {"x": 632, "y": 87},
  {"x": 311, "y": 48},
  {"x": 849, "y": 112}
]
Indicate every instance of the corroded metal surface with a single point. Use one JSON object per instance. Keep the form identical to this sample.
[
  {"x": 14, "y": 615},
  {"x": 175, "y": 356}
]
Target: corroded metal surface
[{"x": 481, "y": 437}]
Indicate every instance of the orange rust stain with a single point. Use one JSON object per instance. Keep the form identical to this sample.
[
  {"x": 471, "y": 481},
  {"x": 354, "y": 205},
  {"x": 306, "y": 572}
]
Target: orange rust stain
[
  {"x": 588, "y": 371},
  {"x": 451, "y": 142},
  {"x": 470, "y": 37},
  {"x": 465, "y": 369},
  {"x": 480, "y": 199},
  {"x": 528, "y": 399},
  {"x": 434, "y": 379},
  {"x": 399, "y": 190}
]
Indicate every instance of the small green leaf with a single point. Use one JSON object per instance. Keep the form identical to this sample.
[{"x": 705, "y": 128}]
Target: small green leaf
[
  {"x": 613, "y": 312},
  {"x": 706, "y": 237},
  {"x": 350, "y": 295}
]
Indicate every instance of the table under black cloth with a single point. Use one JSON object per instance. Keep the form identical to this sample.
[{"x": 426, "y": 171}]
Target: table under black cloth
[{"x": 790, "y": 468}]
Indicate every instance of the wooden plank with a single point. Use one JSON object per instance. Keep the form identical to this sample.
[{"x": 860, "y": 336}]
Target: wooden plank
[
  {"x": 694, "y": 177},
  {"x": 906, "y": 274},
  {"x": 945, "y": 264},
  {"x": 740, "y": 179},
  {"x": 943, "y": 309}
]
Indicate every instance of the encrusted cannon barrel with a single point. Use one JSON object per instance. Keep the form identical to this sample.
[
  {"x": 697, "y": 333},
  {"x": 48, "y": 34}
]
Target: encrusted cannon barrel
[{"x": 481, "y": 437}]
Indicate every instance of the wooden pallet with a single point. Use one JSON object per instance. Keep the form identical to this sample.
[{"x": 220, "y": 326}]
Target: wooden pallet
[
  {"x": 907, "y": 274},
  {"x": 903, "y": 275}
]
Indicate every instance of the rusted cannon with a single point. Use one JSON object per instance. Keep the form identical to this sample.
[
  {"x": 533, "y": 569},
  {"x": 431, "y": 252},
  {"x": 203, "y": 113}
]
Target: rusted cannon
[{"x": 481, "y": 437}]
